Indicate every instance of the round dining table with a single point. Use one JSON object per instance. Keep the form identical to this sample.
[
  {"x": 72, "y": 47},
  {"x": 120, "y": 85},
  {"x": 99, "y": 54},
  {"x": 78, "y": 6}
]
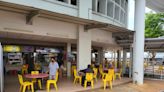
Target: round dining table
[{"x": 40, "y": 75}]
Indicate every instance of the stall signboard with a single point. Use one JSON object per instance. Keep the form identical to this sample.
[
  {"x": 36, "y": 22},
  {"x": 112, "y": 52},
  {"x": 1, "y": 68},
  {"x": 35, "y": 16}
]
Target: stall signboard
[
  {"x": 27, "y": 49},
  {"x": 11, "y": 48}
]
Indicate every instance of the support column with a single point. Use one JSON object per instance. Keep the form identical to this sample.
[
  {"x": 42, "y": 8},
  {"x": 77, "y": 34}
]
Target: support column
[
  {"x": 118, "y": 58},
  {"x": 102, "y": 55},
  {"x": 124, "y": 61},
  {"x": 1, "y": 70},
  {"x": 138, "y": 67},
  {"x": 131, "y": 62},
  {"x": 68, "y": 62},
  {"x": 83, "y": 48}
]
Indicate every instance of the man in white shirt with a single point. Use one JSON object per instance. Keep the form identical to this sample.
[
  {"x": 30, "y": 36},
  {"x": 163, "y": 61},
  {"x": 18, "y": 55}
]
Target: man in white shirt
[{"x": 53, "y": 68}]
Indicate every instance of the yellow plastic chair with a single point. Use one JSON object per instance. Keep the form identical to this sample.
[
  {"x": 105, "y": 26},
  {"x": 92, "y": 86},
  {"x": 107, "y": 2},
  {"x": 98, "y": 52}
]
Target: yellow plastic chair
[
  {"x": 95, "y": 73},
  {"x": 54, "y": 82},
  {"x": 76, "y": 77},
  {"x": 36, "y": 80},
  {"x": 118, "y": 74},
  {"x": 101, "y": 73},
  {"x": 88, "y": 78},
  {"x": 25, "y": 84},
  {"x": 111, "y": 72},
  {"x": 160, "y": 69},
  {"x": 107, "y": 79},
  {"x": 72, "y": 69},
  {"x": 24, "y": 69}
]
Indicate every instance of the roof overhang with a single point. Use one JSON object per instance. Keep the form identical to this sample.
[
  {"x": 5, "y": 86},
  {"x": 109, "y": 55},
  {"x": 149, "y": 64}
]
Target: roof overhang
[{"x": 156, "y": 5}]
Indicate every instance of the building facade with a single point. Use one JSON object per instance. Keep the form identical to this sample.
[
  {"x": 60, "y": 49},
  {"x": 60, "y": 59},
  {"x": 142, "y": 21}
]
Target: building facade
[{"x": 85, "y": 23}]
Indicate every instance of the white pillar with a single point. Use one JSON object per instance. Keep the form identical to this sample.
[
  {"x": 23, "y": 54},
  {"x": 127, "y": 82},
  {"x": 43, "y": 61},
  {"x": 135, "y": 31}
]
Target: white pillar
[
  {"x": 124, "y": 61},
  {"x": 139, "y": 27},
  {"x": 1, "y": 70},
  {"x": 83, "y": 48},
  {"x": 68, "y": 62}
]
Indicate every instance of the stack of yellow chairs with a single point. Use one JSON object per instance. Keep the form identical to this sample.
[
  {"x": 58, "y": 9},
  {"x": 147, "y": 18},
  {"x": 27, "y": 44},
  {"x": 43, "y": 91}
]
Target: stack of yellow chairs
[
  {"x": 107, "y": 79},
  {"x": 49, "y": 82},
  {"x": 36, "y": 80},
  {"x": 25, "y": 84},
  {"x": 88, "y": 78},
  {"x": 76, "y": 77},
  {"x": 118, "y": 74},
  {"x": 24, "y": 69},
  {"x": 95, "y": 73},
  {"x": 111, "y": 72}
]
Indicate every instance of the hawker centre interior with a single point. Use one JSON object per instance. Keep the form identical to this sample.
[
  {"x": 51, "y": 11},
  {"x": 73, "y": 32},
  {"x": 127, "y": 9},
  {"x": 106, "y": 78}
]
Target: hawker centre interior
[{"x": 31, "y": 32}]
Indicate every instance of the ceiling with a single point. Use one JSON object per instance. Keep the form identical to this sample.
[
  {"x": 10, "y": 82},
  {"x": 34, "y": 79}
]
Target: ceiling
[{"x": 156, "y": 5}]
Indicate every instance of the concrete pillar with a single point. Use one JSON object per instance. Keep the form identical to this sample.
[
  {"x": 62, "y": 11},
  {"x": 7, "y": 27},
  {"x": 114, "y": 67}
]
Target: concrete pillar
[
  {"x": 1, "y": 70},
  {"x": 68, "y": 62},
  {"x": 83, "y": 48},
  {"x": 118, "y": 58},
  {"x": 139, "y": 26},
  {"x": 102, "y": 55},
  {"x": 131, "y": 62},
  {"x": 124, "y": 61}
]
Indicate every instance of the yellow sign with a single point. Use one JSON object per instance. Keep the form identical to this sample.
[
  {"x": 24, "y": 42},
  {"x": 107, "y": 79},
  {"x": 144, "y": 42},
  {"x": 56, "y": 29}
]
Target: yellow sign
[{"x": 11, "y": 48}]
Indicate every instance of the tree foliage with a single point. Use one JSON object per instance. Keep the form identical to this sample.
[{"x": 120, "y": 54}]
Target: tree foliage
[{"x": 154, "y": 25}]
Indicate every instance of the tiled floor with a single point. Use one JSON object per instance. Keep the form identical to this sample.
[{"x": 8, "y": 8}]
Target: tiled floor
[{"x": 64, "y": 85}]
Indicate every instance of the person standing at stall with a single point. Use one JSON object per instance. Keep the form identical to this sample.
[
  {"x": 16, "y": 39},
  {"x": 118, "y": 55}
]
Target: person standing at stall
[{"x": 53, "y": 68}]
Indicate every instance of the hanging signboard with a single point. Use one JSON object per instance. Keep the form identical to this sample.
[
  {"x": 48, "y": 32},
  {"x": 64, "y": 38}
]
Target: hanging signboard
[{"x": 11, "y": 48}]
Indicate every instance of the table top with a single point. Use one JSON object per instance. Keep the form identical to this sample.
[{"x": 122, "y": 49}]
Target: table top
[{"x": 40, "y": 75}]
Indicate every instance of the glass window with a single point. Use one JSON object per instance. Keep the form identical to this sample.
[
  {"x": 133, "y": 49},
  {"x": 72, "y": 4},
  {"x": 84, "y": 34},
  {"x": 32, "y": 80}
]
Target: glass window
[
  {"x": 74, "y": 2},
  {"x": 94, "y": 5},
  {"x": 117, "y": 1},
  {"x": 101, "y": 6},
  {"x": 125, "y": 18},
  {"x": 117, "y": 12},
  {"x": 122, "y": 3},
  {"x": 122, "y": 16},
  {"x": 110, "y": 7},
  {"x": 61, "y": 0}
]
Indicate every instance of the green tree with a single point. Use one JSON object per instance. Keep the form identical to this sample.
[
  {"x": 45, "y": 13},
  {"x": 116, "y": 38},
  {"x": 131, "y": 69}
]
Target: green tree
[{"x": 154, "y": 24}]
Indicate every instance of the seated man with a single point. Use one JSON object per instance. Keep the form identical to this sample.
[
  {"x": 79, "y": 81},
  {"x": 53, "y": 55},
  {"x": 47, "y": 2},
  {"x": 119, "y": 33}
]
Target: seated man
[{"x": 87, "y": 70}]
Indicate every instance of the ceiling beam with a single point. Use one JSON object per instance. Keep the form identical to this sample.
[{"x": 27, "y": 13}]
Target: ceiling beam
[{"x": 93, "y": 26}]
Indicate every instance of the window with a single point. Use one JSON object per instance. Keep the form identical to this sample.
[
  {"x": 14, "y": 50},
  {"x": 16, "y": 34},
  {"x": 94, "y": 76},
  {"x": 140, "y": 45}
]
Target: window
[
  {"x": 110, "y": 7},
  {"x": 94, "y": 5},
  {"x": 122, "y": 3},
  {"x": 74, "y": 2},
  {"x": 61, "y": 0},
  {"x": 117, "y": 12},
  {"x": 101, "y": 6},
  {"x": 117, "y": 1},
  {"x": 122, "y": 16}
]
